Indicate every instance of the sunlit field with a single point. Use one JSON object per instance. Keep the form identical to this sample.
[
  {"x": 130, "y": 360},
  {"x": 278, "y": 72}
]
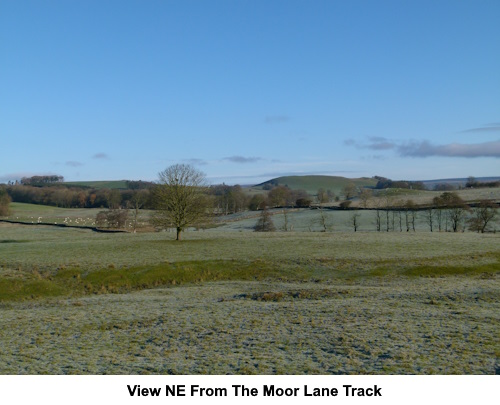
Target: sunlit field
[{"x": 232, "y": 301}]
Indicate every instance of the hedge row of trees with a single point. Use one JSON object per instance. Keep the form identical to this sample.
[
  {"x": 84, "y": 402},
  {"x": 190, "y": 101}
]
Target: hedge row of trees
[
  {"x": 76, "y": 197},
  {"x": 225, "y": 199},
  {"x": 181, "y": 198},
  {"x": 449, "y": 213},
  {"x": 384, "y": 182},
  {"x": 41, "y": 180},
  {"x": 472, "y": 182}
]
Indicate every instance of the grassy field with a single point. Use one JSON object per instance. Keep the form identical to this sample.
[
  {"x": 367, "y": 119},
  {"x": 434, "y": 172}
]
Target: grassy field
[
  {"x": 79, "y": 217},
  {"x": 111, "y": 184},
  {"x": 299, "y": 220},
  {"x": 222, "y": 301},
  {"x": 313, "y": 183},
  {"x": 425, "y": 197}
]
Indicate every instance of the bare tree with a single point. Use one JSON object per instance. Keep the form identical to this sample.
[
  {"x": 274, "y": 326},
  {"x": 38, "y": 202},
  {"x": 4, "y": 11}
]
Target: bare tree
[
  {"x": 399, "y": 206},
  {"x": 349, "y": 191},
  {"x": 228, "y": 199},
  {"x": 114, "y": 199},
  {"x": 430, "y": 217},
  {"x": 483, "y": 215},
  {"x": 136, "y": 202},
  {"x": 378, "y": 216},
  {"x": 387, "y": 208},
  {"x": 324, "y": 221},
  {"x": 354, "y": 220},
  {"x": 410, "y": 214},
  {"x": 114, "y": 219},
  {"x": 456, "y": 207},
  {"x": 265, "y": 222},
  {"x": 257, "y": 202},
  {"x": 438, "y": 206},
  {"x": 180, "y": 198},
  {"x": 365, "y": 195},
  {"x": 324, "y": 196},
  {"x": 279, "y": 196},
  {"x": 286, "y": 225}
]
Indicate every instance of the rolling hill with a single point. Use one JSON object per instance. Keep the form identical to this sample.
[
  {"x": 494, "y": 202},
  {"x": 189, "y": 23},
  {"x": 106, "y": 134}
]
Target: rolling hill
[{"x": 312, "y": 183}]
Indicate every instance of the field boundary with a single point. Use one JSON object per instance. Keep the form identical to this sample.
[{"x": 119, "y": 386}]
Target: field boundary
[{"x": 92, "y": 228}]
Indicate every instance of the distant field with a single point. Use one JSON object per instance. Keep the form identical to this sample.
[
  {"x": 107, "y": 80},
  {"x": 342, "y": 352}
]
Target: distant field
[
  {"x": 425, "y": 197},
  {"x": 34, "y": 214},
  {"x": 299, "y": 220},
  {"x": 229, "y": 300},
  {"x": 313, "y": 183},
  {"x": 111, "y": 184}
]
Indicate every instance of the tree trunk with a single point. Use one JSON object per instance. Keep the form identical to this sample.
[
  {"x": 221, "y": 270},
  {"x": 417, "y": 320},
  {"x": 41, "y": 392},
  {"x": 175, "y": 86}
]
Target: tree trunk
[{"x": 179, "y": 230}]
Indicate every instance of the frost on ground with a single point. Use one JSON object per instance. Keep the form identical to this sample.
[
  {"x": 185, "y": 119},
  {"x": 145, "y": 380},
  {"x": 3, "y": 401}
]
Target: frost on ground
[{"x": 395, "y": 325}]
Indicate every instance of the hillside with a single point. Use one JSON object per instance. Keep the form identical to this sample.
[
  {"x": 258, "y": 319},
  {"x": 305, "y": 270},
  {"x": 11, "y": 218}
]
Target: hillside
[
  {"x": 111, "y": 184},
  {"x": 312, "y": 183}
]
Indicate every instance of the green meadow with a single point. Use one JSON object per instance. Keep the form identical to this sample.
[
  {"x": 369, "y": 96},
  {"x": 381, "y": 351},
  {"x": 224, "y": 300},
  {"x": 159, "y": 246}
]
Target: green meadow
[
  {"x": 312, "y": 183},
  {"x": 228, "y": 300}
]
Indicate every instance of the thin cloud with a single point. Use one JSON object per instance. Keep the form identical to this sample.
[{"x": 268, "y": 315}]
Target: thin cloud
[
  {"x": 374, "y": 157},
  {"x": 242, "y": 159},
  {"x": 379, "y": 143},
  {"x": 425, "y": 148},
  {"x": 495, "y": 127},
  {"x": 100, "y": 156},
  {"x": 276, "y": 119},
  {"x": 196, "y": 162},
  {"x": 475, "y": 150},
  {"x": 375, "y": 143},
  {"x": 73, "y": 163}
]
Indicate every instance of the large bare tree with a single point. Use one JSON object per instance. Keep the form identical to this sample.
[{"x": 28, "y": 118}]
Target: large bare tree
[
  {"x": 180, "y": 198},
  {"x": 483, "y": 215}
]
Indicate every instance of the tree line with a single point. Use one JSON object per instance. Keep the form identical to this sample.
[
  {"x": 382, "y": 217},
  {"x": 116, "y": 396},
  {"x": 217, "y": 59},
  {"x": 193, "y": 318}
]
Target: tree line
[
  {"x": 74, "y": 197},
  {"x": 181, "y": 198},
  {"x": 225, "y": 199}
]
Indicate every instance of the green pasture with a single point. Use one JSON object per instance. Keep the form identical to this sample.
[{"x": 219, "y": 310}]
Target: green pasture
[
  {"x": 313, "y": 183},
  {"x": 46, "y": 254},
  {"x": 299, "y": 220},
  {"x": 227, "y": 300},
  {"x": 425, "y": 197},
  {"x": 111, "y": 184},
  {"x": 82, "y": 217}
]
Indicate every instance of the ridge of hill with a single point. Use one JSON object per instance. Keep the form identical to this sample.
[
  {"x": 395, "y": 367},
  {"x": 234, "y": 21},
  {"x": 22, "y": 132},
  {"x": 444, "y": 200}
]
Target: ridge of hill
[{"x": 312, "y": 183}]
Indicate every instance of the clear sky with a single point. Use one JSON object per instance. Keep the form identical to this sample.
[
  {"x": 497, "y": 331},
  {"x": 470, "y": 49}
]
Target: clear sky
[{"x": 250, "y": 90}]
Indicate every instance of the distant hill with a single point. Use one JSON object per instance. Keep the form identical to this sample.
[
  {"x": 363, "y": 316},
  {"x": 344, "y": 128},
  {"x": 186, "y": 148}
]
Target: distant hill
[{"x": 312, "y": 183}]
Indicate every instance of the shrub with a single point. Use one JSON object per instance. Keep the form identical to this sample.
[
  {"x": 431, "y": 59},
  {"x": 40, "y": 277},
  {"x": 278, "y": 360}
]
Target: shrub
[
  {"x": 345, "y": 204},
  {"x": 303, "y": 202},
  {"x": 111, "y": 219},
  {"x": 265, "y": 223}
]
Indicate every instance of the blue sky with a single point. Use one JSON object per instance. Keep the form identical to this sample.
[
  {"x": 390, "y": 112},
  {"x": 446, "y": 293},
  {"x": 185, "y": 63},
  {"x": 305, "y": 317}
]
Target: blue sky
[{"x": 249, "y": 90}]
